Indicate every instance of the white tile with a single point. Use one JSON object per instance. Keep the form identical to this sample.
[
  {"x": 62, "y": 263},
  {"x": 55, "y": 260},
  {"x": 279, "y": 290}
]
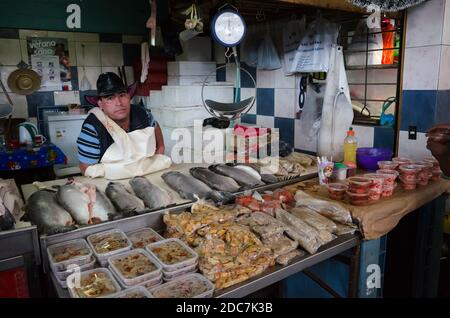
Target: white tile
[
  {"x": 446, "y": 27},
  {"x": 86, "y": 37},
  {"x": 283, "y": 81},
  {"x": 62, "y": 35},
  {"x": 9, "y": 52},
  {"x": 23, "y": 34},
  {"x": 444, "y": 70},
  {"x": 421, "y": 68},
  {"x": 20, "y": 105},
  {"x": 132, "y": 39},
  {"x": 285, "y": 102},
  {"x": 90, "y": 56},
  {"x": 425, "y": 23},
  {"x": 66, "y": 97},
  {"x": 247, "y": 93},
  {"x": 91, "y": 72},
  {"x": 414, "y": 149},
  {"x": 364, "y": 134},
  {"x": 5, "y": 71},
  {"x": 302, "y": 140},
  {"x": 265, "y": 121},
  {"x": 111, "y": 54},
  {"x": 129, "y": 74},
  {"x": 265, "y": 79}
]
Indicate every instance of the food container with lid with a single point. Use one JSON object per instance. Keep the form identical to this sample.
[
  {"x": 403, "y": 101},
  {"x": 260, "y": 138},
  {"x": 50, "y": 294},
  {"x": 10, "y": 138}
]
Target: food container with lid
[
  {"x": 359, "y": 184},
  {"x": 173, "y": 254},
  {"x": 388, "y": 190},
  {"x": 409, "y": 172},
  {"x": 436, "y": 174},
  {"x": 401, "y": 160},
  {"x": 94, "y": 283},
  {"x": 108, "y": 243},
  {"x": 187, "y": 286},
  {"x": 432, "y": 160},
  {"x": 425, "y": 173},
  {"x": 336, "y": 191},
  {"x": 134, "y": 292},
  {"x": 375, "y": 195},
  {"x": 147, "y": 284},
  {"x": 358, "y": 198},
  {"x": 391, "y": 165},
  {"x": 62, "y": 275},
  {"x": 142, "y": 237},
  {"x": 377, "y": 182},
  {"x": 169, "y": 276},
  {"x": 63, "y": 254},
  {"x": 390, "y": 176}
]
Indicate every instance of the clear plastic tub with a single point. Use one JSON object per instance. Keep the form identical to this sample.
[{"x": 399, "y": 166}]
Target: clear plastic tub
[
  {"x": 62, "y": 275},
  {"x": 391, "y": 165},
  {"x": 436, "y": 174},
  {"x": 358, "y": 198},
  {"x": 108, "y": 243},
  {"x": 388, "y": 190},
  {"x": 390, "y": 176},
  {"x": 359, "y": 184},
  {"x": 425, "y": 173},
  {"x": 134, "y": 292},
  {"x": 142, "y": 237},
  {"x": 409, "y": 184},
  {"x": 375, "y": 195},
  {"x": 147, "y": 284},
  {"x": 134, "y": 267},
  {"x": 173, "y": 254},
  {"x": 95, "y": 283},
  {"x": 432, "y": 160},
  {"x": 187, "y": 286},
  {"x": 168, "y": 276},
  {"x": 377, "y": 182},
  {"x": 409, "y": 172},
  {"x": 401, "y": 160},
  {"x": 64, "y": 254},
  {"x": 336, "y": 191}
]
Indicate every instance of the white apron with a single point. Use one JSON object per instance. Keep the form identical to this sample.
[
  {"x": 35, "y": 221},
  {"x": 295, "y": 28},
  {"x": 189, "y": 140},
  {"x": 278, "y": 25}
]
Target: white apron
[{"x": 132, "y": 154}]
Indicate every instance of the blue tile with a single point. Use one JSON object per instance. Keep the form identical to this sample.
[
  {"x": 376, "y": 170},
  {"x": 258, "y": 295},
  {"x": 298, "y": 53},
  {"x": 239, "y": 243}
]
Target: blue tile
[
  {"x": 109, "y": 37},
  {"x": 248, "y": 119},
  {"x": 9, "y": 33},
  {"x": 384, "y": 137},
  {"x": 443, "y": 107},
  {"x": 265, "y": 101},
  {"x": 221, "y": 74},
  {"x": 246, "y": 81},
  {"x": 39, "y": 99},
  {"x": 287, "y": 129},
  {"x": 74, "y": 71},
  {"x": 84, "y": 93},
  {"x": 131, "y": 53},
  {"x": 418, "y": 109}
]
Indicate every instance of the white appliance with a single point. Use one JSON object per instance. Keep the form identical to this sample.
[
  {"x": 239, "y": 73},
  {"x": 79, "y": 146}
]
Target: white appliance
[{"x": 63, "y": 131}]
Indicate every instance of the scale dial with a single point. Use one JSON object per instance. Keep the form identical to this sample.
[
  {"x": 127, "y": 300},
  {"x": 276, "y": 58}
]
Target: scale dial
[{"x": 228, "y": 28}]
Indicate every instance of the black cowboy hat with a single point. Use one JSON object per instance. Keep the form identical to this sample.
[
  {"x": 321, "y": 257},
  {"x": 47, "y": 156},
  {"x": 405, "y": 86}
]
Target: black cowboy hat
[{"x": 109, "y": 84}]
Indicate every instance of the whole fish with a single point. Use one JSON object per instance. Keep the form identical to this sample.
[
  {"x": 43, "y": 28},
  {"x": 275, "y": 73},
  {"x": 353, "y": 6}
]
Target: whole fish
[
  {"x": 80, "y": 200},
  {"x": 123, "y": 200},
  {"x": 265, "y": 177},
  {"x": 42, "y": 209},
  {"x": 153, "y": 196},
  {"x": 242, "y": 177},
  {"x": 192, "y": 189},
  {"x": 214, "y": 180}
]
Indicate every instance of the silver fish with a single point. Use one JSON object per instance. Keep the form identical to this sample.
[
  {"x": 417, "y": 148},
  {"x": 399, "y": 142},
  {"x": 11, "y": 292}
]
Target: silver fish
[
  {"x": 123, "y": 200},
  {"x": 242, "y": 177},
  {"x": 75, "y": 199},
  {"x": 192, "y": 189},
  {"x": 42, "y": 209},
  {"x": 153, "y": 196},
  {"x": 265, "y": 177},
  {"x": 214, "y": 180}
]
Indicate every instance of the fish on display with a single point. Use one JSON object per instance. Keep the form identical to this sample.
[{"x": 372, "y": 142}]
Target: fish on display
[
  {"x": 251, "y": 169},
  {"x": 153, "y": 196},
  {"x": 214, "y": 180},
  {"x": 42, "y": 209},
  {"x": 242, "y": 177},
  {"x": 124, "y": 201},
  {"x": 7, "y": 220},
  {"x": 192, "y": 189},
  {"x": 80, "y": 200}
]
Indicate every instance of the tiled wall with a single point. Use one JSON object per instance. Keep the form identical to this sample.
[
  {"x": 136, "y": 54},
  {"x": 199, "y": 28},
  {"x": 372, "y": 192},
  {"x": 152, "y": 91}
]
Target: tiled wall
[
  {"x": 426, "y": 77},
  {"x": 102, "y": 53}
]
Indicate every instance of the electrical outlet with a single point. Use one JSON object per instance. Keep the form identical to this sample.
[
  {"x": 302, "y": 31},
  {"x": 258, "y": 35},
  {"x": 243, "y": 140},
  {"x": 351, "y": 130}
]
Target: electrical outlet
[{"x": 412, "y": 132}]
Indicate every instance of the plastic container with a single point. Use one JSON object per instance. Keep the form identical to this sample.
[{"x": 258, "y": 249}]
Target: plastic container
[
  {"x": 147, "y": 284},
  {"x": 101, "y": 284},
  {"x": 436, "y": 174},
  {"x": 367, "y": 158},
  {"x": 139, "y": 260},
  {"x": 359, "y": 184},
  {"x": 339, "y": 171},
  {"x": 377, "y": 182},
  {"x": 62, "y": 275},
  {"x": 169, "y": 276},
  {"x": 108, "y": 243},
  {"x": 187, "y": 286},
  {"x": 358, "y": 198},
  {"x": 336, "y": 191},
  {"x": 432, "y": 160},
  {"x": 409, "y": 172},
  {"x": 350, "y": 145},
  {"x": 134, "y": 292},
  {"x": 409, "y": 184},
  {"x": 401, "y": 161},
  {"x": 75, "y": 252},
  {"x": 375, "y": 195},
  {"x": 179, "y": 253},
  {"x": 390, "y": 165},
  {"x": 388, "y": 190},
  {"x": 142, "y": 237},
  {"x": 425, "y": 173},
  {"x": 390, "y": 176}
]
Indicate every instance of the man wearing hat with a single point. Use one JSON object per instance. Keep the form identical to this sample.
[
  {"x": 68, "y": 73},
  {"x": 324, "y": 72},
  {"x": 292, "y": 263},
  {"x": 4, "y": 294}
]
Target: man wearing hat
[{"x": 114, "y": 100}]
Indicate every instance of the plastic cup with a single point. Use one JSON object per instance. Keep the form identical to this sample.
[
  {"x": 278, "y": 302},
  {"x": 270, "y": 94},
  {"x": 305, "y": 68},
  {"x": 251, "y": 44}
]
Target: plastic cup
[
  {"x": 375, "y": 195},
  {"x": 388, "y": 190},
  {"x": 401, "y": 160},
  {"x": 431, "y": 160},
  {"x": 390, "y": 176},
  {"x": 390, "y": 165},
  {"x": 377, "y": 181},
  {"x": 336, "y": 191},
  {"x": 409, "y": 172},
  {"x": 359, "y": 184},
  {"x": 358, "y": 198}
]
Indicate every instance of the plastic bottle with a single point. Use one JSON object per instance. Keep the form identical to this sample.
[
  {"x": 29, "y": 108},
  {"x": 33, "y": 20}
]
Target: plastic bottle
[{"x": 350, "y": 145}]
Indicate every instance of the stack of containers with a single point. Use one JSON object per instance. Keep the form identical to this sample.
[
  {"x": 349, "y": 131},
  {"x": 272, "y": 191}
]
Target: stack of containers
[
  {"x": 401, "y": 161},
  {"x": 143, "y": 237},
  {"x": 388, "y": 170},
  {"x": 63, "y": 257},
  {"x": 336, "y": 191},
  {"x": 95, "y": 283},
  {"x": 134, "y": 292},
  {"x": 358, "y": 191},
  {"x": 409, "y": 175},
  {"x": 436, "y": 170},
  {"x": 188, "y": 286},
  {"x": 176, "y": 258},
  {"x": 135, "y": 268},
  {"x": 425, "y": 173},
  {"x": 377, "y": 185},
  {"x": 108, "y": 243}
]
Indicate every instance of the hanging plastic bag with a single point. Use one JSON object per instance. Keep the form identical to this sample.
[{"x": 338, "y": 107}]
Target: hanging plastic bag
[
  {"x": 313, "y": 53},
  {"x": 362, "y": 42},
  {"x": 249, "y": 48},
  {"x": 293, "y": 31},
  {"x": 268, "y": 58}
]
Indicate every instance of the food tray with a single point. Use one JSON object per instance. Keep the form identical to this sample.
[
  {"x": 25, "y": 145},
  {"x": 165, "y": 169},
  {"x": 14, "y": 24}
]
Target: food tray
[
  {"x": 113, "y": 287},
  {"x": 187, "y": 286},
  {"x": 142, "y": 237},
  {"x": 160, "y": 252},
  {"x": 134, "y": 292},
  {"x": 62, "y": 275},
  {"x": 168, "y": 276},
  {"x": 147, "y": 284},
  {"x": 70, "y": 249},
  {"x": 98, "y": 239},
  {"x": 131, "y": 261}
]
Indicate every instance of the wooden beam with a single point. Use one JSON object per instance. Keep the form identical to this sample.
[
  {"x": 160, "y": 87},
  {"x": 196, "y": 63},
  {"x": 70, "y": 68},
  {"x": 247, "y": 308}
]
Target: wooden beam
[{"x": 328, "y": 4}]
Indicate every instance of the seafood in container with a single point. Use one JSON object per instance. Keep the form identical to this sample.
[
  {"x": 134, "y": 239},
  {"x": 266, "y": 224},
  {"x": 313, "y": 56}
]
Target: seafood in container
[
  {"x": 359, "y": 184},
  {"x": 173, "y": 254},
  {"x": 388, "y": 190},
  {"x": 188, "y": 286},
  {"x": 358, "y": 198},
  {"x": 64, "y": 254},
  {"x": 336, "y": 191},
  {"x": 401, "y": 161},
  {"x": 389, "y": 176},
  {"x": 142, "y": 237},
  {"x": 377, "y": 182},
  {"x": 62, "y": 275},
  {"x": 95, "y": 283},
  {"x": 425, "y": 173},
  {"x": 409, "y": 173},
  {"x": 134, "y": 292},
  {"x": 170, "y": 276},
  {"x": 108, "y": 243},
  {"x": 390, "y": 165}
]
